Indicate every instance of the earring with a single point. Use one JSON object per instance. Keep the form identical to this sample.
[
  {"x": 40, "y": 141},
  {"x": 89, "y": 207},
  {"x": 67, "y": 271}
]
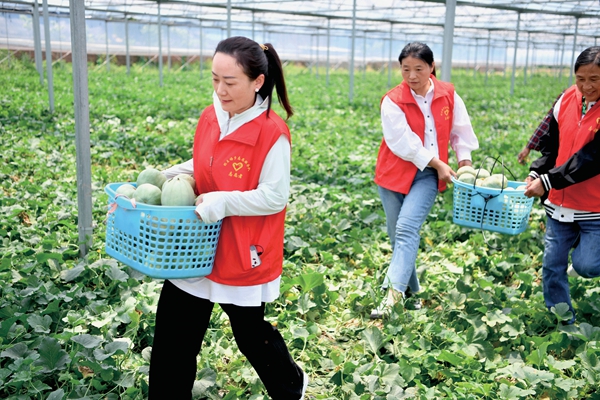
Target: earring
[{"x": 256, "y": 90}]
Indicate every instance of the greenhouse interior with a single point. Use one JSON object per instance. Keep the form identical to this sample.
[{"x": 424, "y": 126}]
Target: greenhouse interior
[{"x": 96, "y": 92}]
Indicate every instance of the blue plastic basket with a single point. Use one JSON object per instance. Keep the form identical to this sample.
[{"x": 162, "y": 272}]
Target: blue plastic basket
[
  {"x": 496, "y": 210},
  {"x": 158, "y": 241}
]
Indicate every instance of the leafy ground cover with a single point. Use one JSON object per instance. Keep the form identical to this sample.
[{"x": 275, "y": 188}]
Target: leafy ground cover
[{"x": 82, "y": 328}]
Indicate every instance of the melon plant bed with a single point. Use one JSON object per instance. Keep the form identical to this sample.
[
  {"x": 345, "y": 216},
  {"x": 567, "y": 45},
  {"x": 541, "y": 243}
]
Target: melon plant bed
[{"x": 82, "y": 328}]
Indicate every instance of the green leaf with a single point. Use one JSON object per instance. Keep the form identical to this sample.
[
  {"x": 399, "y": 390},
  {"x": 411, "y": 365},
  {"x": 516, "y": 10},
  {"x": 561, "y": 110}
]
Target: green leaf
[
  {"x": 309, "y": 281},
  {"x": 116, "y": 274},
  {"x": 495, "y": 317},
  {"x": 390, "y": 375},
  {"x": 374, "y": 338},
  {"x": 562, "y": 312},
  {"x": 305, "y": 303},
  {"x": 538, "y": 356},
  {"x": 513, "y": 392},
  {"x": 17, "y": 351},
  {"x": 208, "y": 378},
  {"x": 43, "y": 257},
  {"x": 52, "y": 356},
  {"x": 87, "y": 341},
  {"x": 450, "y": 357},
  {"x": 39, "y": 323},
  {"x": 58, "y": 394},
  {"x": 69, "y": 275}
]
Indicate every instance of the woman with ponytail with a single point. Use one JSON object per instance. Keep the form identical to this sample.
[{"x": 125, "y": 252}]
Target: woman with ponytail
[{"x": 241, "y": 165}]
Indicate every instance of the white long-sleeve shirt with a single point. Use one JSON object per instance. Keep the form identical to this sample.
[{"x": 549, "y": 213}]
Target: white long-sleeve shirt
[
  {"x": 271, "y": 195},
  {"x": 407, "y": 145}
]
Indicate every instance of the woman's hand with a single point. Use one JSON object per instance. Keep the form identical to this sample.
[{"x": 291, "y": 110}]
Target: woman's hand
[
  {"x": 522, "y": 156},
  {"x": 199, "y": 200},
  {"x": 534, "y": 188},
  {"x": 465, "y": 163},
  {"x": 445, "y": 173}
]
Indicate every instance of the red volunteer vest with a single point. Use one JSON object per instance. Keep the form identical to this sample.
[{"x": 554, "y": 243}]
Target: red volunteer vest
[
  {"x": 396, "y": 174},
  {"x": 235, "y": 163},
  {"x": 574, "y": 134}
]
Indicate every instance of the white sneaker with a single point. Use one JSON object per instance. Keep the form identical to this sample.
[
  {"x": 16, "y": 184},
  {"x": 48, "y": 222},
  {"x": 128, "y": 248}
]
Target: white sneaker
[
  {"x": 571, "y": 272},
  {"x": 386, "y": 305},
  {"x": 418, "y": 304},
  {"x": 304, "y": 386}
]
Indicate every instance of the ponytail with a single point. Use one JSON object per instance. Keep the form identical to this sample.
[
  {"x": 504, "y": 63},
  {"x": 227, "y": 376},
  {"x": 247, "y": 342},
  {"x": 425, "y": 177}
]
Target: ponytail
[{"x": 274, "y": 77}]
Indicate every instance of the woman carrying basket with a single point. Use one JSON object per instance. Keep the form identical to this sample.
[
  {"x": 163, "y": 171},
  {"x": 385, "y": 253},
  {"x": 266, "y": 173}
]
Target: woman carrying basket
[
  {"x": 241, "y": 164},
  {"x": 568, "y": 172},
  {"x": 420, "y": 118}
]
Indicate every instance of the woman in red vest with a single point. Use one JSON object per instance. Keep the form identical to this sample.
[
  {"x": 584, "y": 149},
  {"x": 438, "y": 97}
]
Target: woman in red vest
[
  {"x": 569, "y": 173},
  {"x": 241, "y": 164},
  {"x": 420, "y": 118}
]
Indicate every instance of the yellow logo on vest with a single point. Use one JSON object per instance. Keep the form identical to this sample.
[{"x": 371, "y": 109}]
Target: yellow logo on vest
[
  {"x": 445, "y": 113},
  {"x": 239, "y": 165}
]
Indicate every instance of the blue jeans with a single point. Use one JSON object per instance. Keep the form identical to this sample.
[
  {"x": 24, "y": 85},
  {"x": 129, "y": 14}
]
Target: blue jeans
[
  {"x": 560, "y": 238},
  {"x": 405, "y": 214}
]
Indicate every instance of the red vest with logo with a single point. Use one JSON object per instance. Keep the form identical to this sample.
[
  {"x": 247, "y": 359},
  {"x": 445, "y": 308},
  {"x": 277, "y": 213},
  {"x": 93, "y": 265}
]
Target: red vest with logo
[
  {"x": 235, "y": 163},
  {"x": 396, "y": 174},
  {"x": 574, "y": 134}
]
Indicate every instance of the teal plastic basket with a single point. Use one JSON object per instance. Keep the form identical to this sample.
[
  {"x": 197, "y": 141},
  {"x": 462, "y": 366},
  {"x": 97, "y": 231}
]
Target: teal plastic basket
[
  {"x": 158, "y": 241},
  {"x": 496, "y": 210}
]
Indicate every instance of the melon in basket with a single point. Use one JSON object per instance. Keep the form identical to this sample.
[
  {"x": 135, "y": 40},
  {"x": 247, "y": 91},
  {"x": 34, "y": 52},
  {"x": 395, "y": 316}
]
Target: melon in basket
[
  {"x": 467, "y": 169},
  {"x": 177, "y": 192},
  {"x": 466, "y": 177},
  {"x": 126, "y": 189},
  {"x": 151, "y": 176},
  {"x": 496, "y": 181},
  {"x": 189, "y": 179},
  {"x": 148, "y": 194}
]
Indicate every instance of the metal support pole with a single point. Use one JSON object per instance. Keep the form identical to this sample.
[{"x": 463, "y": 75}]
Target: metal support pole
[
  {"x": 310, "y": 58},
  {"x": 562, "y": 57},
  {"x": 328, "y": 46},
  {"x": 317, "y": 53},
  {"x": 533, "y": 61},
  {"x": 365, "y": 56},
  {"x": 505, "y": 58},
  {"x": 106, "y": 40},
  {"x": 48, "y": 56},
  {"x": 448, "y": 40},
  {"x": 526, "y": 58},
  {"x": 351, "y": 92},
  {"x": 574, "y": 49},
  {"x": 7, "y": 38},
  {"x": 127, "y": 57},
  {"x": 37, "y": 42},
  {"x": 253, "y": 23},
  {"x": 487, "y": 59},
  {"x": 201, "y": 58},
  {"x": 228, "y": 18},
  {"x": 169, "y": 48},
  {"x": 475, "y": 58},
  {"x": 390, "y": 62},
  {"x": 556, "y": 61},
  {"x": 82, "y": 126},
  {"x": 514, "y": 68},
  {"x": 160, "y": 59}
]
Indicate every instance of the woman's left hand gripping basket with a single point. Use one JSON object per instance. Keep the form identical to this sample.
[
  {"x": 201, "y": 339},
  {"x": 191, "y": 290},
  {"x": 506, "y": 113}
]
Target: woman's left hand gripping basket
[{"x": 158, "y": 241}]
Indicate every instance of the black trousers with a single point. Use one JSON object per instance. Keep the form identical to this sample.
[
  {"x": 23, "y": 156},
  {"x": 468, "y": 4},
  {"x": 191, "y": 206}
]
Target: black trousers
[{"x": 182, "y": 321}]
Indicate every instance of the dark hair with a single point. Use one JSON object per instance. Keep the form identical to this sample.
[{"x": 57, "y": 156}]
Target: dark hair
[
  {"x": 254, "y": 60},
  {"x": 418, "y": 50},
  {"x": 588, "y": 56}
]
